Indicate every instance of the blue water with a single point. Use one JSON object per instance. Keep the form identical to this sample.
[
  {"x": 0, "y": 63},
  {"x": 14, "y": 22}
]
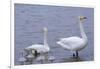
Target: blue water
[{"x": 61, "y": 21}]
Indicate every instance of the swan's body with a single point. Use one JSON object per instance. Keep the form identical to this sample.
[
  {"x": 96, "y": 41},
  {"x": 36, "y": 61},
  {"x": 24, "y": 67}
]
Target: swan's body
[
  {"x": 72, "y": 43},
  {"x": 75, "y": 43},
  {"x": 39, "y": 48}
]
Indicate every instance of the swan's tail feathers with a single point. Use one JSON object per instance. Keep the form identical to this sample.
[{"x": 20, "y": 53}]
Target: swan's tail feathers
[
  {"x": 59, "y": 43},
  {"x": 63, "y": 45}
]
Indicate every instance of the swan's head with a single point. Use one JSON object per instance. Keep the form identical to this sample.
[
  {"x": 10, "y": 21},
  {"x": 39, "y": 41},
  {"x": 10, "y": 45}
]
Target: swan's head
[
  {"x": 45, "y": 29},
  {"x": 81, "y": 18}
]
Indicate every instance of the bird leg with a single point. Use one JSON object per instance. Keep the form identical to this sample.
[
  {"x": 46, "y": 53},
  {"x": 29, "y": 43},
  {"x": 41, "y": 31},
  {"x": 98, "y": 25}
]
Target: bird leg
[
  {"x": 76, "y": 54},
  {"x": 73, "y": 55}
]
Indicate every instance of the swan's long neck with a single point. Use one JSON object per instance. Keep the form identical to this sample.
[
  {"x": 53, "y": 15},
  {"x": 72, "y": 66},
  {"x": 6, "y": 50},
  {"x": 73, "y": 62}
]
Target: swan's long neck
[
  {"x": 82, "y": 31},
  {"x": 45, "y": 38}
]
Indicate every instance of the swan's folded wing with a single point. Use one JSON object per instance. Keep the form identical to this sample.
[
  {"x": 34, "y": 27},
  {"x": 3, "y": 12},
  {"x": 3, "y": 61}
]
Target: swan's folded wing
[
  {"x": 38, "y": 47},
  {"x": 71, "y": 42}
]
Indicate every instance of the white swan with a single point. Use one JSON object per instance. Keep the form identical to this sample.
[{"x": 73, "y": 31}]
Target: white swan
[
  {"x": 75, "y": 44},
  {"x": 38, "y": 48}
]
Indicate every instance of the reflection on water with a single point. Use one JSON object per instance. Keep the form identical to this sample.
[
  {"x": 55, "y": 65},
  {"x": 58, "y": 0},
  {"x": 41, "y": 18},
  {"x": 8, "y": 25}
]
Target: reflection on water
[
  {"x": 73, "y": 59},
  {"x": 51, "y": 59},
  {"x": 41, "y": 59},
  {"x": 61, "y": 22}
]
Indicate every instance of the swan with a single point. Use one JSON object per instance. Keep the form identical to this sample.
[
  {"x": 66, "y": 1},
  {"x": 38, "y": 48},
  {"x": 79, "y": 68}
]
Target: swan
[
  {"x": 74, "y": 43},
  {"x": 39, "y": 48}
]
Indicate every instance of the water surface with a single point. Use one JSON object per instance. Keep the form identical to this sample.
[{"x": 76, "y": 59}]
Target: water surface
[{"x": 60, "y": 21}]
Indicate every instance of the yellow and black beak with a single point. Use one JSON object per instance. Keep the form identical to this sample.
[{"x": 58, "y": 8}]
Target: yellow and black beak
[
  {"x": 82, "y": 17},
  {"x": 85, "y": 17}
]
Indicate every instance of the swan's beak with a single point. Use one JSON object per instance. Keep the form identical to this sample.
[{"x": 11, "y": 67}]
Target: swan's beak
[
  {"x": 81, "y": 18},
  {"x": 85, "y": 17}
]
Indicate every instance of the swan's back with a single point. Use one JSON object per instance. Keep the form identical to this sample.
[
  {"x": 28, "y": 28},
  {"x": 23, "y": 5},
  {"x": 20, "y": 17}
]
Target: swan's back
[
  {"x": 39, "y": 48},
  {"x": 72, "y": 43}
]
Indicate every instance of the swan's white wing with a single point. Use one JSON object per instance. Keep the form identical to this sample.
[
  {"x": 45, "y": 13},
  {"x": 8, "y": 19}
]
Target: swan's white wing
[
  {"x": 35, "y": 46},
  {"x": 41, "y": 48},
  {"x": 38, "y": 47},
  {"x": 72, "y": 43}
]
